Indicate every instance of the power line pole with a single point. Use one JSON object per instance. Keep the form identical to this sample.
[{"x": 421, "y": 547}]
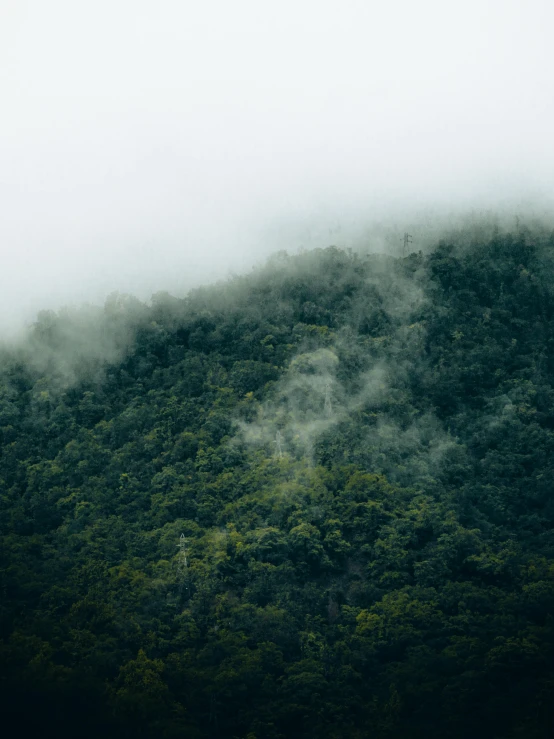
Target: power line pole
[
  {"x": 183, "y": 566},
  {"x": 328, "y": 408},
  {"x": 408, "y": 239},
  {"x": 278, "y": 449}
]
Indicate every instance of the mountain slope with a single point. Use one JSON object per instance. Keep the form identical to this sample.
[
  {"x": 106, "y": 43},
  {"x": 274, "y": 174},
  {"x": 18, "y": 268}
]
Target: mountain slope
[{"x": 359, "y": 454}]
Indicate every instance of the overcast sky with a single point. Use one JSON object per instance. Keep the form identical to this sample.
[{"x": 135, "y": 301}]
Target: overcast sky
[{"x": 145, "y": 145}]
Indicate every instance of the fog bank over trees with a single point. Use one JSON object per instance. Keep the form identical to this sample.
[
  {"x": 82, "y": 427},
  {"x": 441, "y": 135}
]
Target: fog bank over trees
[{"x": 157, "y": 146}]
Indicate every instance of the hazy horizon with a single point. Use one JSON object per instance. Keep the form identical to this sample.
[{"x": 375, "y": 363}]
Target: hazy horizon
[{"x": 148, "y": 147}]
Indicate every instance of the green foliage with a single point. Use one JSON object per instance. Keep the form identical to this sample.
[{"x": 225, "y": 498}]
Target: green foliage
[{"x": 389, "y": 574}]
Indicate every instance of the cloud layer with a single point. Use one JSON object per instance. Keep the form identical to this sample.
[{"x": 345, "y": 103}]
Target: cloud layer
[{"x": 153, "y": 146}]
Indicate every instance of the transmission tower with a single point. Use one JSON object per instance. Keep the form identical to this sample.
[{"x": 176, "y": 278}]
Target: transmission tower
[
  {"x": 328, "y": 408},
  {"x": 182, "y": 566},
  {"x": 278, "y": 448},
  {"x": 408, "y": 239}
]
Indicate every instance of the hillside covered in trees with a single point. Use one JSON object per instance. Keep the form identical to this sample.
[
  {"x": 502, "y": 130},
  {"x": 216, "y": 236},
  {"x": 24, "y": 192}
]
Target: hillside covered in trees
[{"x": 358, "y": 451}]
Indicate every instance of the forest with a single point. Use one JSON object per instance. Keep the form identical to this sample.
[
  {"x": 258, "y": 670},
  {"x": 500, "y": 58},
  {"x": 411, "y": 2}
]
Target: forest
[{"x": 314, "y": 500}]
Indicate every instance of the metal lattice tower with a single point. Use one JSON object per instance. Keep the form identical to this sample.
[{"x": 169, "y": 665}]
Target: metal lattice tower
[
  {"x": 408, "y": 239},
  {"x": 182, "y": 566},
  {"x": 278, "y": 448},
  {"x": 328, "y": 408}
]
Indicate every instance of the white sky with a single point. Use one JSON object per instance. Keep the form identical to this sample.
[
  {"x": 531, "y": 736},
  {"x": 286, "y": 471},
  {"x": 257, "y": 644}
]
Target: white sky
[{"x": 147, "y": 145}]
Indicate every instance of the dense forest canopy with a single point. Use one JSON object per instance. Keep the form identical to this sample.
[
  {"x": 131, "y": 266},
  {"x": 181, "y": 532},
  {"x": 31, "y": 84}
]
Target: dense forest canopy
[{"x": 358, "y": 452}]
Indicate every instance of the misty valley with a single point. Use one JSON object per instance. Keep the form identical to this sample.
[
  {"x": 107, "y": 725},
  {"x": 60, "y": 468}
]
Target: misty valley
[{"x": 314, "y": 500}]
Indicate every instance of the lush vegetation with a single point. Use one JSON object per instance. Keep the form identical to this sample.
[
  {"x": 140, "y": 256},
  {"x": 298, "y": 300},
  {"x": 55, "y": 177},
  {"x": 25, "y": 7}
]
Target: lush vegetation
[{"x": 382, "y": 568}]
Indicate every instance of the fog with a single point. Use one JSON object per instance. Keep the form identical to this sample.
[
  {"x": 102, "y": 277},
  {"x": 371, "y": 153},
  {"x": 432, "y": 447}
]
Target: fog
[{"x": 154, "y": 146}]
